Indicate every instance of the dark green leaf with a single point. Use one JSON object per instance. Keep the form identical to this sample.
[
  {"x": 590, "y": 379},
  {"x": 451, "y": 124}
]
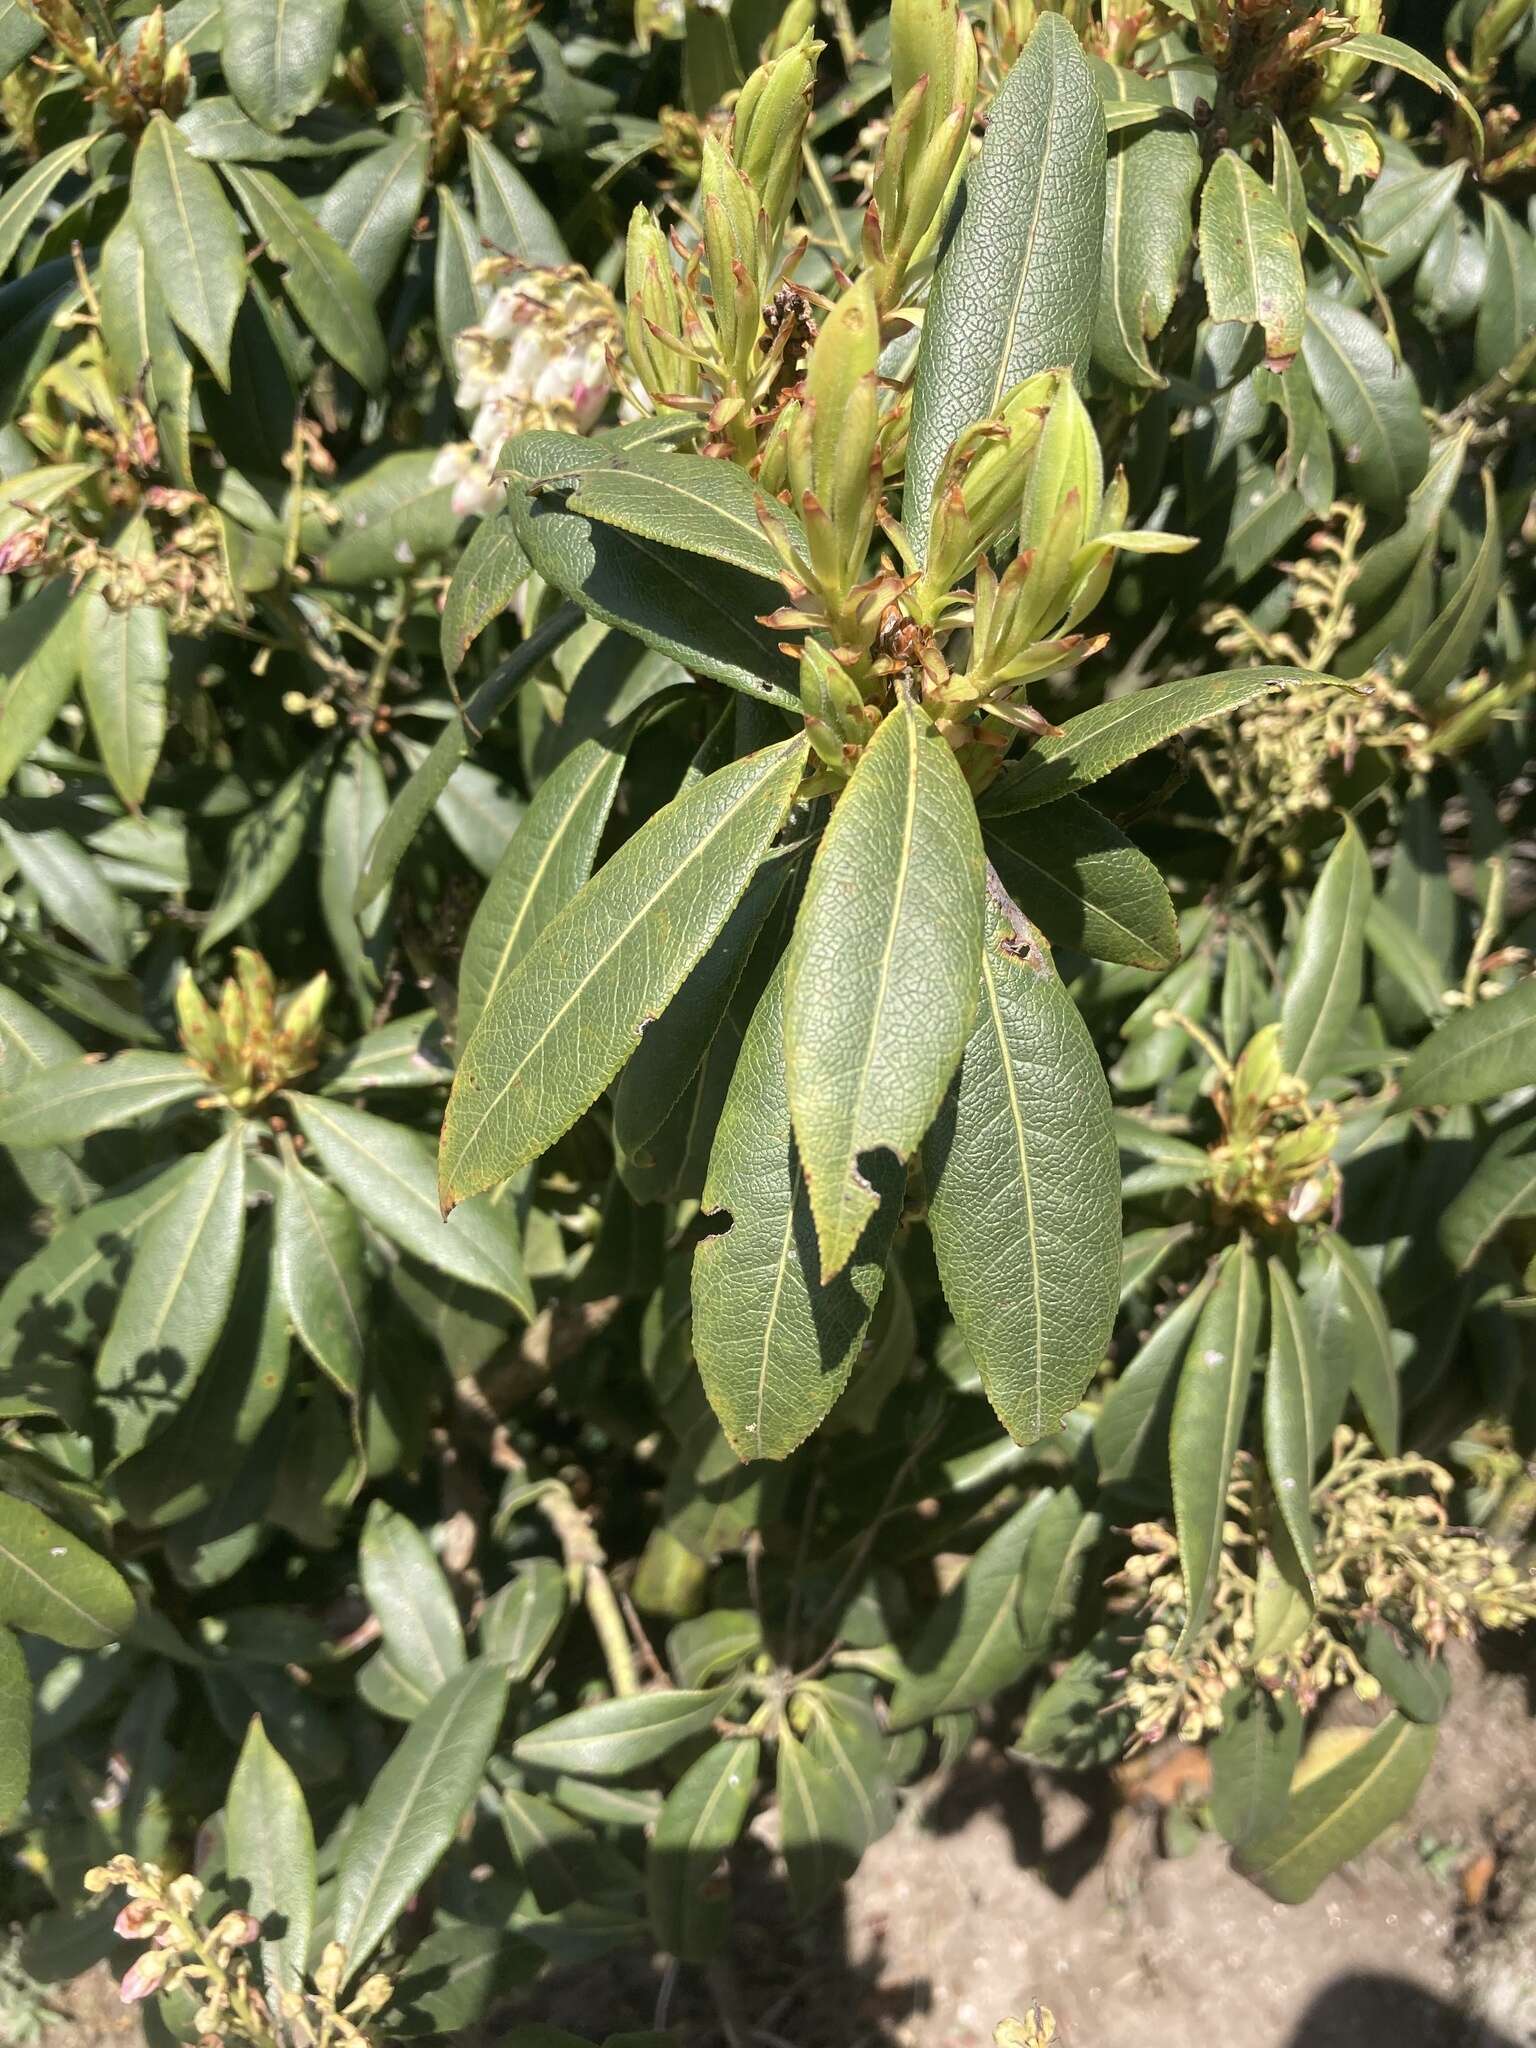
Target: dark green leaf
[
  {"x": 270, "y": 1846},
  {"x": 191, "y": 242},
  {"x": 15, "y": 1687},
  {"x": 1353, "y": 1341},
  {"x": 562, "y": 1022},
  {"x": 618, "y": 1736},
  {"x": 1085, "y": 885},
  {"x": 1293, "y": 1438},
  {"x": 277, "y": 55},
  {"x": 1207, "y": 1422},
  {"x": 73, "y": 1099},
  {"x": 264, "y": 846},
  {"x": 321, "y": 279},
  {"x": 317, "y": 1251},
  {"x": 1371, "y": 402},
  {"x": 507, "y": 213},
  {"x": 892, "y": 919},
  {"x": 53, "y": 1585},
  {"x": 1253, "y": 1758},
  {"x": 1024, "y": 1190},
  {"x": 1322, "y": 990},
  {"x": 1475, "y": 1056},
  {"x": 485, "y": 579},
  {"x": 1352, "y": 1784},
  {"x": 699, "y": 1824},
  {"x": 414, "y": 1603},
  {"x": 414, "y": 1806}
]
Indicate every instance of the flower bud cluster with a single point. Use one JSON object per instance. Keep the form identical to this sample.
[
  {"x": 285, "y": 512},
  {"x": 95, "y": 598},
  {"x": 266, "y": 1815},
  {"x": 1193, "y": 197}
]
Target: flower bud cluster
[
  {"x": 539, "y": 357},
  {"x": 1273, "y": 1161},
  {"x": 251, "y": 1044}
]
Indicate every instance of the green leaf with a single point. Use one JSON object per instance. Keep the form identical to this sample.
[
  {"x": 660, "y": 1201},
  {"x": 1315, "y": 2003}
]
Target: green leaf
[
  {"x": 1506, "y": 313},
  {"x": 39, "y": 662},
  {"x": 1207, "y": 1422},
  {"x": 386, "y": 521},
  {"x": 485, "y": 579},
  {"x": 1105, "y": 738},
  {"x": 318, "y": 1259},
  {"x": 172, "y": 1310},
  {"x": 15, "y": 1701},
  {"x": 321, "y": 280},
  {"x": 459, "y": 298},
  {"x": 1413, "y": 1679},
  {"x": 406, "y": 1589},
  {"x": 1250, "y": 258},
  {"x": 1371, "y": 402},
  {"x": 1379, "y": 49},
  {"x": 71, "y": 889},
  {"x": 356, "y": 803},
  {"x": 561, "y": 1861},
  {"x": 700, "y": 1823},
  {"x": 549, "y": 859},
  {"x": 1024, "y": 1190},
  {"x": 20, "y": 34},
  {"x": 703, "y": 614},
  {"x": 1322, "y": 990},
  {"x": 519, "y": 1622},
  {"x": 971, "y": 1644},
  {"x": 1293, "y": 1436},
  {"x": 414, "y": 1806},
  {"x": 775, "y": 1343},
  {"x": 388, "y": 1173},
  {"x": 53, "y": 1585},
  {"x": 1253, "y": 1758},
  {"x": 1353, "y": 1341},
  {"x": 1443, "y": 654},
  {"x": 892, "y": 921},
  {"x": 1475, "y": 1056},
  {"x": 615, "y": 1737},
  {"x": 458, "y": 1977},
  {"x": 1498, "y": 1191},
  {"x": 269, "y": 1844},
  {"x": 21, "y": 204},
  {"x": 191, "y": 242},
  {"x": 563, "y": 1021},
  {"x": 1150, "y": 184},
  {"x": 1052, "y": 1578},
  {"x": 371, "y": 209},
  {"x": 125, "y": 662},
  {"x": 142, "y": 341},
  {"x": 1017, "y": 287},
  {"x": 1352, "y": 1784},
  {"x": 76, "y": 1098},
  {"x": 1087, "y": 887},
  {"x": 454, "y": 745},
  {"x": 264, "y": 846},
  {"x": 277, "y": 55},
  {"x": 685, "y": 501},
  {"x": 508, "y": 214},
  {"x": 1130, "y": 1432},
  {"x": 821, "y": 1826}
]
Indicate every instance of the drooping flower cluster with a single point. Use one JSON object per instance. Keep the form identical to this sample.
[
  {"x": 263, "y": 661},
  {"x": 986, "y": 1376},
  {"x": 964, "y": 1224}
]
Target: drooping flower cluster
[
  {"x": 539, "y": 357},
  {"x": 1386, "y": 1552},
  {"x": 212, "y": 1963}
]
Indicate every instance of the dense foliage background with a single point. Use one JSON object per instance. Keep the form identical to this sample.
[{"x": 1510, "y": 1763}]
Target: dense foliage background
[{"x": 567, "y": 574}]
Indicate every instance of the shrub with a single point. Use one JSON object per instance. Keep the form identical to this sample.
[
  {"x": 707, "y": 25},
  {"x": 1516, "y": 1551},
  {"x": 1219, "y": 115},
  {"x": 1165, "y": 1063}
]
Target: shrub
[{"x": 634, "y": 649}]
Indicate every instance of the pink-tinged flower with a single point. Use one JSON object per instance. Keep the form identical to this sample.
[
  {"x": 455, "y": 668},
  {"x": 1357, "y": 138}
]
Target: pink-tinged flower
[
  {"x": 133, "y": 1922},
  {"x": 237, "y": 1930},
  {"x": 144, "y": 1976}
]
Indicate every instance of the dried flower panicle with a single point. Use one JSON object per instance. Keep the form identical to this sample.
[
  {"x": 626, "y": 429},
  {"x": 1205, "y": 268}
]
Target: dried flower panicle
[
  {"x": 1386, "y": 1552},
  {"x": 213, "y": 1964},
  {"x": 539, "y": 357}
]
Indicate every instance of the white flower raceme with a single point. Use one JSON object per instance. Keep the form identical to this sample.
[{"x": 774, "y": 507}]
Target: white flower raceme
[{"x": 539, "y": 357}]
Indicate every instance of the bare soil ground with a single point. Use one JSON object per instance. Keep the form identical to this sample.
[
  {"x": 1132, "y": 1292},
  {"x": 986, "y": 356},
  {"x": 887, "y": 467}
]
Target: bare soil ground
[{"x": 1001, "y": 1887}]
